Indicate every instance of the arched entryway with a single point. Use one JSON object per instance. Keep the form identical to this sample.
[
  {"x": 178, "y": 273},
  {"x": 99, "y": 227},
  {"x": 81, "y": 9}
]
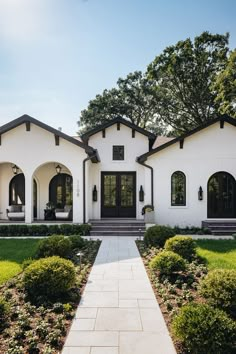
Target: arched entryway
[
  {"x": 61, "y": 190},
  {"x": 17, "y": 190},
  {"x": 221, "y": 194}
]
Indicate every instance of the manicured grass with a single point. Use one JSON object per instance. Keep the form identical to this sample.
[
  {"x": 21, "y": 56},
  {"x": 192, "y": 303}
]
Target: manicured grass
[
  {"x": 12, "y": 254},
  {"x": 219, "y": 254}
]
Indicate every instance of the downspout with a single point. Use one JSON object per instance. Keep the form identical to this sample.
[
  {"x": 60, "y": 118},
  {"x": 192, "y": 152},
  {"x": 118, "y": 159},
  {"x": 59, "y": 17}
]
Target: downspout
[
  {"x": 151, "y": 168},
  {"x": 84, "y": 184}
]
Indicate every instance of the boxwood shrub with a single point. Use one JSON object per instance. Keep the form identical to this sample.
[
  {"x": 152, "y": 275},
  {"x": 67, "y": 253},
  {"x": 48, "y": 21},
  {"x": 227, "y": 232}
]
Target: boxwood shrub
[
  {"x": 183, "y": 245},
  {"x": 49, "y": 278},
  {"x": 157, "y": 235},
  {"x": 204, "y": 329},
  {"x": 219, "y": 288},
  {"x": 56, "y": 245},
  {"x": 44, "y": 230},
  {"x": 168, "y": 262},
  {"x": 4, "y": 311}
]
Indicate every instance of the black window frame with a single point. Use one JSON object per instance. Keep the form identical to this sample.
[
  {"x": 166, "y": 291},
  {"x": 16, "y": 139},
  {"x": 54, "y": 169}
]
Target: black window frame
[
  {"x": 118, "y": 152},
  {"x": 182, "y": 201}
]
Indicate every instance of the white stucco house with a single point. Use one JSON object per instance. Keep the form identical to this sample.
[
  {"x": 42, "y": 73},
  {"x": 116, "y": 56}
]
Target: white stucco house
[{"x": 116, "y": 169}]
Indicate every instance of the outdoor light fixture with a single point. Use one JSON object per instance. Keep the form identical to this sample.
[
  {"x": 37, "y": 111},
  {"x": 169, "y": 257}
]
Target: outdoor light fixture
[
  {"x": 141, "y": 194},
  {"x": 58, "y": 169},
  {"x": 79, "y": 255},
  {"x": 95, "y": 194},
  {"x": 15, "y": 169},
  {"x": 200, "y": 193}
]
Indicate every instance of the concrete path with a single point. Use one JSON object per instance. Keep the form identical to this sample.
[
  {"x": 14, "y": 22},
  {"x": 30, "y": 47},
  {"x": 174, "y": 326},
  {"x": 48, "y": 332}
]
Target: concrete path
[{"x": 118, "y": 312}]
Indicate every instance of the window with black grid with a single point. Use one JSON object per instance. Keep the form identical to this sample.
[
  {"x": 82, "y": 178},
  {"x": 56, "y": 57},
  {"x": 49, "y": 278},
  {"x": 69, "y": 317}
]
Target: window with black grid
[{"x": 118, "y": 152}]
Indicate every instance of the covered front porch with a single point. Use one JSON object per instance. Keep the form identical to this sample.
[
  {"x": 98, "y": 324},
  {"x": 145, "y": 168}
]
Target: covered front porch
[{"x": 50, "y": 195}]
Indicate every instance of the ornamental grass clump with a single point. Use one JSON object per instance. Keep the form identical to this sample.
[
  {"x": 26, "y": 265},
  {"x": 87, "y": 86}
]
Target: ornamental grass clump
[
  {"x": 168, "y": 262},
  {"x": 204, "y": 329},
  {"x": 157, "y": 235},
  {"x": 219, "y": 288},
  {"x": 183, "y": 245},
  {"x": 49, "y": 278}
]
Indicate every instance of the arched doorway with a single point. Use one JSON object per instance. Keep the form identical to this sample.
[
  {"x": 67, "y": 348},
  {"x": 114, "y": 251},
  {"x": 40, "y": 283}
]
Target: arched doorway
[
  {"x": 61, "y": 190},
  {"x": 221, "y": 194},
  {"x": 17, "y": 190}
]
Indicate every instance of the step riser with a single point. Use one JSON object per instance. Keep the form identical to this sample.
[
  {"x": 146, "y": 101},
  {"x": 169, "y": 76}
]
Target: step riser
[{"x": 220, "y": 227}]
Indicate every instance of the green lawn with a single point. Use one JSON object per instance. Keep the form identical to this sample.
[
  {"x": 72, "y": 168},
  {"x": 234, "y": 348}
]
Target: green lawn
[
  {"x": 12, "y": 254},
  {"x": 218, "y": 253}
]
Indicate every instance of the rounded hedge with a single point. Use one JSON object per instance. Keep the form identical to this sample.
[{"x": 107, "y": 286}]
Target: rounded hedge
[
  {"x": 56, "y": 245},
  {"x": 4, "y": 311},
  {"x": 183, "y": 245},
  {"x": 49, "y": 277},
  {"x": 168, "y": 262},
  {"x": 204, "y": 329},
  {"x": 157, "y": 235},
  {"x": 219, "y": 288}
]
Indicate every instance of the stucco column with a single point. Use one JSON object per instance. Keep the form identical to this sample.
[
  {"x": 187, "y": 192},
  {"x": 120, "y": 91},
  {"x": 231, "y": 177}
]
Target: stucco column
[
  {"x": 28, "y": 199},
  {"x": 77, "y": 196}
]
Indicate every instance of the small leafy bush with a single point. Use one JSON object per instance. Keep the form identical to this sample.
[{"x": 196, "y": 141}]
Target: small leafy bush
[
  {"x": 4, "y": 311},
  {"x": 168, "y": 262},
  {"x": 219, "y": 288},
  {"x": 56, "y": 245},
  {"x": 203, "y": 329},
  {"x": 183, "y": 245},
  {"x": 76, "y": 241},
  {"x": 49, "y": 277},
  {"x": 157, "y": 235}
]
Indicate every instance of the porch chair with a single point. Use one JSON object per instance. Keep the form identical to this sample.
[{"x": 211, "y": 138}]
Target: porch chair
[
  {"x": 64, "y": 214},
  {"x": 16, "y": 212}
]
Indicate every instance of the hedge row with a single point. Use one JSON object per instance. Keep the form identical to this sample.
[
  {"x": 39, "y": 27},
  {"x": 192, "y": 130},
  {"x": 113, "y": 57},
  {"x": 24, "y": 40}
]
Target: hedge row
[{"x": 44, "y": 230}]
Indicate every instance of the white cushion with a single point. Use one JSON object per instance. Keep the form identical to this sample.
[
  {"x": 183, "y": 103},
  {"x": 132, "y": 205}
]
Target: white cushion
[
  {"x": 16, "y": 215},
  {"x": 62, "y": 215}
]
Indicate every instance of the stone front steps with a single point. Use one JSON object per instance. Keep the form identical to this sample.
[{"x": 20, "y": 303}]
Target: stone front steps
[
  {"x": 117, "y": 227},
  {"x": 220, "y": 227}
]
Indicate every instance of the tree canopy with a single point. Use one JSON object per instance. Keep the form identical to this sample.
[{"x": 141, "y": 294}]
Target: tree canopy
[{"x": 189, "y": 83}]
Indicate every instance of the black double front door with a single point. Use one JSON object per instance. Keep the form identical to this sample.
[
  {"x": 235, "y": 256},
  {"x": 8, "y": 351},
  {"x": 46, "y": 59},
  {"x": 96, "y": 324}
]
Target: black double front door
[{"x": 118, "y": 194}]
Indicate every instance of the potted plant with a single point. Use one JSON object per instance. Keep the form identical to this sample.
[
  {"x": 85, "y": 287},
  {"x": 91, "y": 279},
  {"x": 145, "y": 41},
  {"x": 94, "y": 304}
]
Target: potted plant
[
  {"x": 49, "y": 212},
  {"x": 148, "y": 212}
]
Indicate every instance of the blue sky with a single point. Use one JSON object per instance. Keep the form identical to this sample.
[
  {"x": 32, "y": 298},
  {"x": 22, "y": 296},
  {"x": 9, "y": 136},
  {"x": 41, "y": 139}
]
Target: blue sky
[{"x": 56, "y": 55}]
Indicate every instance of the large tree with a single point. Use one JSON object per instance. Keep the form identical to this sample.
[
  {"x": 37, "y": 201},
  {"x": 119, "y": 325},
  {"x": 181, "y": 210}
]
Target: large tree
[
  {"x": 184, "y": 74},
  {"x": 134, "y": 99},
  {"x": 225, "y": 87}
]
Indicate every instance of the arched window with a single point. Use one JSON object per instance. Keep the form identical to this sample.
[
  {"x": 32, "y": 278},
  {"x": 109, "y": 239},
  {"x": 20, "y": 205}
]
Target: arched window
[
  {"x": 178, "y": 189},
  {"x": 61, "y": 190},
  {"x": 17, "y": 190}
]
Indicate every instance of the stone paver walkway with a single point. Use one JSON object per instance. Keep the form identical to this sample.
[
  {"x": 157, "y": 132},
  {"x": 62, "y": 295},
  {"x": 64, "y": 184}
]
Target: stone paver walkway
[{"x": 118, "y": 312}]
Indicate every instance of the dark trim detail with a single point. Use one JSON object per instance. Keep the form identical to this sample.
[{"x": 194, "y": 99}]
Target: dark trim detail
[
  {"x": 121, "y": 121},
  {"x": 27, "y": 124},
  {"x": 104, "y": 133},
  {"x": 152, "y": 185},
  {"x": 26, "y": 118},
  {"x": 133, "y": 133},
  {"x": 181, "y": 144},
  {"x": 224, "y": 118},
  {"x": 222, "y": 124},
  {"x": 0, "y": 139},
  {"x": 118, "y": 126},
  {"x": 57, "y": 140},
  {"x": 95, "y": 155}
]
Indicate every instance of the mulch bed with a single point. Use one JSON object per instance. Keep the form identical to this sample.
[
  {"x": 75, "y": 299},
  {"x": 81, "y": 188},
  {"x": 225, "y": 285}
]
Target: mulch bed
[{"x": 42, "y": 328}]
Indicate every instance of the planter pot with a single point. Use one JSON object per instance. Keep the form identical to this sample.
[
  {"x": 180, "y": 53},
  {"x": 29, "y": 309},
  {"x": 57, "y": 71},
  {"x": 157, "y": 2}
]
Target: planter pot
[{"x": 149, "y": 217}]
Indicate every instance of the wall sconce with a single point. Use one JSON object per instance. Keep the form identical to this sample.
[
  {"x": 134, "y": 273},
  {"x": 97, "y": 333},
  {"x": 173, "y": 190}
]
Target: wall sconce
[
  {"x": 200, "y": 193},
  {"x": 95, "y": 194},
  {"x": 58, "y": 169},
  {"x": 15, "y": 169},
  {"x": 141, "y": 194}
]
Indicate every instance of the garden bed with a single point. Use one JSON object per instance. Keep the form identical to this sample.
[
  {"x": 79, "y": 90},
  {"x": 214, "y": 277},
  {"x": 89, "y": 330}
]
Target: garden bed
[{"x": 42, "y": 327}]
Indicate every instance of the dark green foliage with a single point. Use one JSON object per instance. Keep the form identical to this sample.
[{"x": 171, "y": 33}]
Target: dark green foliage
[
  {"x": 4, "y": 311},
  {"x": 56, "y": 245},
  {"x": 203, "y": 329},
  {"x": 76, "y": 242},
  {"x": 193, "y": 230},
  {"x": 157, "y": 235},
  {"x": 49, "y": 277},
  {"x": 168, "y": 262},
  {"x": 219, "y": 288},
  {"x": 44, "y": 230},
  {"x": 183, "y": 245}
]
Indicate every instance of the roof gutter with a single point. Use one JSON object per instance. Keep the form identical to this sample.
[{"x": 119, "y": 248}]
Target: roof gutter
[
  {"x": 91, "y": 158},
  {"x": 151, "y": 168}
]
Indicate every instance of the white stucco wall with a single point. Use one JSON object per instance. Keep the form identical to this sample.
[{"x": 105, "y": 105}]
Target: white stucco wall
[
  {"x": 133, "y": 147},
  {"x": 31, "y": 150},
  {"x": 204, "y": 153}
]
